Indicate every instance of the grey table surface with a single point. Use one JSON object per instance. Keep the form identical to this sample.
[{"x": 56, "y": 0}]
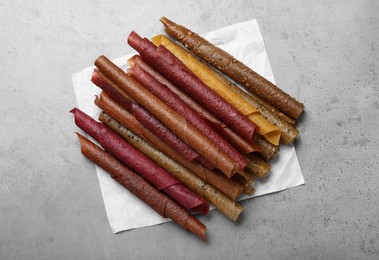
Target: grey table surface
[{"x": 326, "y": 52}]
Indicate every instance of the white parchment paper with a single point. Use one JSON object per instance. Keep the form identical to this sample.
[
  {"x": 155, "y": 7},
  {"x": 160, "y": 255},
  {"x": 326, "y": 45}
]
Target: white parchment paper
[{"x": 244, "y": 41}]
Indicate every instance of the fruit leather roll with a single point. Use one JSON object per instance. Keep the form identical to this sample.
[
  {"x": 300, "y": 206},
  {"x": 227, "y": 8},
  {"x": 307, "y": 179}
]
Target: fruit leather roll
[
  {"x": 134, "y": 159},
  {"x": 229, "y": 187},
  {"x": 257, "y": 166},
  {"x": 237, "y": 141},
  {"x": 234, "y": 69},
  {"x": 173, "y": 101},
  {"x": 247, "y": 181},
  {"x": 144, "y": 116},
  {"x": 227, "y": 206},
  {"x": 161, "y": 203},
  {"x": 174, "y": 70},
  {"x": 267, "y": 149},
  {"x": 173, "y": 120},
  {"x": 206, "y": 74}
]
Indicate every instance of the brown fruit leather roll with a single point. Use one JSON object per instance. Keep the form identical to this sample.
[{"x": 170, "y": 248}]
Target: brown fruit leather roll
[
  {"x": 162, "y": 204},
  {"x": 247, "y": 180},
  {"x": 229, "y": 187},
  {"x": 144, "y": 116},
  {"x": 134, "y": 159},
  {"x": 257, "y": 166},
  {"x": 174, "y": 70},
  {"x": 237, "y": 141},
  {"x": 234, "y": 69},
  {"x": 267, "y": 149},
  {"x": 178, "y": 124},
  {"x": 288, "y": 131},
  {"x": 169, "y": 97},
  {"x": 228, "y": 207}
]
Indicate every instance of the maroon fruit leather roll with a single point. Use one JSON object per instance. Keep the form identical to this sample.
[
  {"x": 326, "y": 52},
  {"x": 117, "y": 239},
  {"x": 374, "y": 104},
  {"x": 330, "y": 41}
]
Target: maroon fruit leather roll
[
  {"x": 175, "y": 71},
  {"x": 147, "y": 119},
  {"x": 173, "y": 120},
  {"x": 237, "y": 141},
  {"x": 126, "y": 153},
  {"x": 173, "y": 101},
  {"x": 161, "y": 203}
]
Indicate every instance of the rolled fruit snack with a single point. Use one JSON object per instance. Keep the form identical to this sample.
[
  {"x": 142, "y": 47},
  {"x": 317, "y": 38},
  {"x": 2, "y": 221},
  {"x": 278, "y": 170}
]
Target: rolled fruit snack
[
  {"x": 237, "y": 141},
  {"x": 178, "y": 124},
  {"x": 227, "y": 206},
  {"x": 205, "y": 73},
  {"x": 159, "y": 202},
  {"x": 134, "y": 159},
  {"x": 228, "y": 186},
  {"x": 171, "y": 99},
  {"x": 249, "y": 106},
  {"x": 174, "y": 70},
  {"x": 234, "y": 69},
  {"x": 144, "y": 116}
]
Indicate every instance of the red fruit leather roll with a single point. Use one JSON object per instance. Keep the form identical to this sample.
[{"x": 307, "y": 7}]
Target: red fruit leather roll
[
  {"x": 173, "y": 101},
  {"x": 174, "y": 70},
  {"x": 237, "y": 141},
  {"x": 228, "y": 186},
  {"x": 146, "y": 118},
  {"x": 173, "y": 120},
  {"x": 126, "y": 153},
  {"x": 161, "y": 203}
]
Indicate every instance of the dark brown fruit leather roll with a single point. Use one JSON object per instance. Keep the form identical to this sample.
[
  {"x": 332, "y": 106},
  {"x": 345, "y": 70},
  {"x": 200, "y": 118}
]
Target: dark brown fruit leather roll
[
  {"x": 174, "y": 70},
  {"x": 134, "y": 159},
  {"x": 227, "y": 206},
  {"x": 237, "y": 141},
  {"x": 171, "y": 99},
  {"x": 144, "y": 116},
  {"x": 234, "y": 69},
  {"x": 178, "y": 124},
  {"x": 229, "y": 187},
  {"x": 162, "y": 204}
]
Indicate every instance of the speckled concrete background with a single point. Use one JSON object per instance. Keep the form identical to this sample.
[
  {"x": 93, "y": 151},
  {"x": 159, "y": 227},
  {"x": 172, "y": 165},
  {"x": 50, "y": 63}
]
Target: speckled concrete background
[{"x": 50, "y": 201}]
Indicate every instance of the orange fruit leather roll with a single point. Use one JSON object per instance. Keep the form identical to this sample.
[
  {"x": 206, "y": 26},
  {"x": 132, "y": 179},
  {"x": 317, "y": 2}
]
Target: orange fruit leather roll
[
  {"x": 228, "y": 207},
  {"x": 205, "y": 73},
  {"x": 177, "y": 123},
  {"x": 227, "y": 186},
  {"x": 159, "y": 202},
  {"x": 234, "y": 69}
]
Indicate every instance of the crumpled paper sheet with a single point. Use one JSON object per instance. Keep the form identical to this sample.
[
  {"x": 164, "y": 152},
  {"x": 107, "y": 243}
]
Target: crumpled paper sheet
[{"x": 125, "y": 211}]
